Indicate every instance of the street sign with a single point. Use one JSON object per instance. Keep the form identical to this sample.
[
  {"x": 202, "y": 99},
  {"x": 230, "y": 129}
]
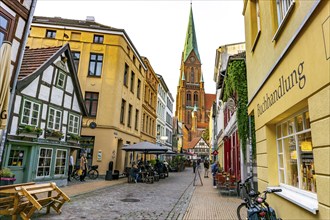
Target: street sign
[{"x": 215, "y": 153}]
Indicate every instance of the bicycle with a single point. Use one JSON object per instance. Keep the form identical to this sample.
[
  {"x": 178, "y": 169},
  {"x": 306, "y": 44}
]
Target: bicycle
[
  {"x": 92, "y": 173},
  {"x": 255, "y": 205}
]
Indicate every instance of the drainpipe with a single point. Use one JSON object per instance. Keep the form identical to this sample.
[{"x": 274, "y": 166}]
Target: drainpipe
[
  {"x": 250, "y": 153},
  {"x": 18, "y": 69}
]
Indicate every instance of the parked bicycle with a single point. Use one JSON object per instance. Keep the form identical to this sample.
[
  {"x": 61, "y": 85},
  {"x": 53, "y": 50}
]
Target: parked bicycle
[
  {"x": 255, "y": 205},
  {"x": 92, "y": 172}
]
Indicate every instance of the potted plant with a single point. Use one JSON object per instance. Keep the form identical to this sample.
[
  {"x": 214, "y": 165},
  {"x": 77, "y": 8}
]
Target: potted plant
[
  {"x": 6, "y": 177},
  {"x": 29, "y": 131},
  {"x": 73, "y": 138},
  {"x": 53, "y": 134}
]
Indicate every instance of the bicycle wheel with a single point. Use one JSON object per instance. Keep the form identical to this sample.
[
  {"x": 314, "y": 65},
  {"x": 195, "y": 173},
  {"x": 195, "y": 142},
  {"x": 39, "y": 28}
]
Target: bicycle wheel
[
  {"x": 242, "y": 212},
  {"x": 75, "y": 175},
  {"x": 93, "y": 174}
]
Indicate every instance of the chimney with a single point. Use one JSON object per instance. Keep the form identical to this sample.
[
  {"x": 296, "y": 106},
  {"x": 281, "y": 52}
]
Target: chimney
[{"x": 90, "y": 18}]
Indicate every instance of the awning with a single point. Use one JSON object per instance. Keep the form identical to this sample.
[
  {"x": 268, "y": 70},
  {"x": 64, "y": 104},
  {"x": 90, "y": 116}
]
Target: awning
[
  {"x": 145, "y": 147},
  {"x": 5, "y": 53}
]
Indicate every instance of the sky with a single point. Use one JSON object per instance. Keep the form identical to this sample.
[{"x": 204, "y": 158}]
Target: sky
[{"x": 158, "y": 28}]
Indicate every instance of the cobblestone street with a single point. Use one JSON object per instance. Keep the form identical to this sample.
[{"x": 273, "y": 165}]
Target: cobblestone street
[{"x": 174, "y": 197}]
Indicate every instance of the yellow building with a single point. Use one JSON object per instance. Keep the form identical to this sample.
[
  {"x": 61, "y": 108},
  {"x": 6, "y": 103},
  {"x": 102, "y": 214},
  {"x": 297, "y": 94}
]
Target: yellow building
[
  {"x": 288, "y": 70},
  {"x": 111, "y": 75}
]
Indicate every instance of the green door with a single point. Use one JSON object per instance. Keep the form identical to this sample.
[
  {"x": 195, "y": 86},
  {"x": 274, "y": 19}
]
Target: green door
[{"x": 17, "y": 162}]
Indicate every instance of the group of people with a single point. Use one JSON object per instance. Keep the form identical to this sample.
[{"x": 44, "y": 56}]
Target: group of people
[
  {"x": 215, "y": 167},
  {"x": 82, "y": 166}
]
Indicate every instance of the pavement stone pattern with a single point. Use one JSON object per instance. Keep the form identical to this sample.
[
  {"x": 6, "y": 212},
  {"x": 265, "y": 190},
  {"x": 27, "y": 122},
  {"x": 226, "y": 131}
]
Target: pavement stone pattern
[{"x": 174, "y": 197}]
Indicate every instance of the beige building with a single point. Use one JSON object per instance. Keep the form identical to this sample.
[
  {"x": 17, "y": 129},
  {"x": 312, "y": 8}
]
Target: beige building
[
  {"x": 287, "y": 57},
  {"x": 111, "y": 74}
]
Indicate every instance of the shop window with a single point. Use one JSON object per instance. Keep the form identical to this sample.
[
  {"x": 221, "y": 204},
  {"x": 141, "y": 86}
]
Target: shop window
[
  {"x": 295, "y": 153},
  {"x": 60, "y": 162},
  {"x": 50, "y": 34},
  {"x": 91, "y": 102},
  {"x": 30, "y": 113},
  {"x": 54, "y": 119},
  {"x": 44, "y": 162},
  {"x": 16, "y": 158},
  {"x": 73, "y": 124},
  {"x": 95, "y": 65}
]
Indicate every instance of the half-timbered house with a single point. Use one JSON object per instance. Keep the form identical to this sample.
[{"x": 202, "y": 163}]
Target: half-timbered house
[{"x": 47, "y": 116}]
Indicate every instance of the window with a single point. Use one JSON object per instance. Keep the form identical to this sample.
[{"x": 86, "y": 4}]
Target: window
[
  {"x": 283, "y": 7},
  {"x": 30, "y": 113},
  {"x": 91, "y": 102},
  {"x": 132, "y": 81},
  {"x": 134, "y": 59},
  {"x": 6, "y": 27},
  {"x": 60, "y": 162},
  {"x": 122, "y": 111},
  {"x": 138, "y": 89},
  {"x": 136, "y": 119},
  {"x": 196, "y": 98},
  {"x": 73, "y": 124},
  {"x": 75, "y": 36},
  {"x": 295, "y": 153},
  {"x": 45, "y": 159},
  {"x": 129, "y": 115},
  {"x": 76, "y": 58},
  {"x": 255, "y": 20},
  {"x": 126, "y": 74},
  {"x": 16, "y": 158},
  {"x": 192, "y": 75},
  {"x": 98, "y": 39},
  {"x": 60, "y": 79},
  {"x": 188, "y": 99},
  {"x": 54, "y": 119},
  {"x": 95, "y": 64},
  {"x": 50, "y": 34}
]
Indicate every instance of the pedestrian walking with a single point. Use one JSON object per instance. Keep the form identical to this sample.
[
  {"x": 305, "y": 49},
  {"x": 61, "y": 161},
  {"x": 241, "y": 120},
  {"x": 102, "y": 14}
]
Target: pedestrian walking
[
  {"x": 206, "y": 167},
  {"x": 194, "y": 166},
  {"x": 214, "y": 169},
  {"x": 83, "y": 166},
  {"x": 71, "y": 165}
]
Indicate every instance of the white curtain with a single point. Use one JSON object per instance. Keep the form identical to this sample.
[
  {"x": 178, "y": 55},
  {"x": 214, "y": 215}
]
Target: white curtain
[{"x": 5, "y": 53}]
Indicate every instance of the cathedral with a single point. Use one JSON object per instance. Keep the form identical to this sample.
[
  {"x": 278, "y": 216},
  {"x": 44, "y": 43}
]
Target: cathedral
[{"x": 193, "y": 105}]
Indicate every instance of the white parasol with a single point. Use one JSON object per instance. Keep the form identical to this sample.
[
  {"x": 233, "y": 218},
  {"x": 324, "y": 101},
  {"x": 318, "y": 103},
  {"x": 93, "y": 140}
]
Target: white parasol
[{"x": 5, "y": 52}]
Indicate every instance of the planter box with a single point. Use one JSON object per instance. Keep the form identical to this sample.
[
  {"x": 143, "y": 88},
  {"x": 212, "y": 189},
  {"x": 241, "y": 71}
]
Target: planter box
[
  {"x": 53, "y": 138},
  {"x": 28, "y": 134},
  {"x": 7, "y": 181}
]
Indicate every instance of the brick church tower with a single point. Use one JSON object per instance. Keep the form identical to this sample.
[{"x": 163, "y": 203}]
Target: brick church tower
[{"x": 192, "y": 104}]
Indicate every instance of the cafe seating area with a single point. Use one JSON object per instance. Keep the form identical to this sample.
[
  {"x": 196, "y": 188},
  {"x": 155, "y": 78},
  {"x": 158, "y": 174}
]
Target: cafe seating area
[{"x": 227, "y": 184}]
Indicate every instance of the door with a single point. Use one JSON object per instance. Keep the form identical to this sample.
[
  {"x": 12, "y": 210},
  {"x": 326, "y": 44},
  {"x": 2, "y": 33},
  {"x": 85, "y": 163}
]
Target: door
[{"x": 17, "y": 162}]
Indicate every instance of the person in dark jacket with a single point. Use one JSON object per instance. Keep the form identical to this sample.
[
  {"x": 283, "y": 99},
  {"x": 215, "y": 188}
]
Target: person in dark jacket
[
  {"x": 194, "y": 166},
  {"x": 206, "y": 167}
]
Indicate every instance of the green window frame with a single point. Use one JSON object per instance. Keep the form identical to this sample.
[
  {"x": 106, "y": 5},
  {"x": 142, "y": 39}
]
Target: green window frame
[
  {"x": 73, "y": 125},
  {"x": 54, "y": 119},
  {"x": 44, "y": 162},
  {"x": 30, "y": 113}
]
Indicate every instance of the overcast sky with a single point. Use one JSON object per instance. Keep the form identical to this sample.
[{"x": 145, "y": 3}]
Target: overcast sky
[{"x": 158, "y": 28}]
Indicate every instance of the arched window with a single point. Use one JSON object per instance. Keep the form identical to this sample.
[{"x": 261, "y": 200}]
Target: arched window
[
  {"x": 192, "y": 75},
  {"x": 196, "y": 98},
  {"x": 188, "y": 99}
]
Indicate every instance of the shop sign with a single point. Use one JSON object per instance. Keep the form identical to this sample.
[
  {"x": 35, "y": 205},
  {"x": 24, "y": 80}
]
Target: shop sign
[
  {"x": 296, "y": 77},
  {"x": 215, "y": 152}
]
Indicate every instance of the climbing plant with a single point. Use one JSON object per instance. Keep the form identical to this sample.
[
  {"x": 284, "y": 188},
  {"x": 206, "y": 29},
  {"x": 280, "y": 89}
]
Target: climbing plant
[{"x": 236, "y": 88}]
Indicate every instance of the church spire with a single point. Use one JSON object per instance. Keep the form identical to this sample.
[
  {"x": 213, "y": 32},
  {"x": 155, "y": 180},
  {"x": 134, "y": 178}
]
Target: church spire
[{"x": 191, "y": 39}]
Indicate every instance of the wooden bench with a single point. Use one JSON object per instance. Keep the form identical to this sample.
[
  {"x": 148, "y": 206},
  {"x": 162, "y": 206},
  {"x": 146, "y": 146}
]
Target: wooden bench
[
  {"x": 10, "y": 202},
  {"x": 41, "y": 195}
]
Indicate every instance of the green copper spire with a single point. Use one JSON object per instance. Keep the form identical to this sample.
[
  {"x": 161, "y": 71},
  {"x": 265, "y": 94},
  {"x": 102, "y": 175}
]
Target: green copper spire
[{"x": 191, "y": 39}]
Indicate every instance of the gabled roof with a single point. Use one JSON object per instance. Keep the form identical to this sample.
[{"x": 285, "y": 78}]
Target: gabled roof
[
  {"x": 209, "y": 98},
  {"x": 35, "y": 61},
  {"x": 191, "y": 39}
]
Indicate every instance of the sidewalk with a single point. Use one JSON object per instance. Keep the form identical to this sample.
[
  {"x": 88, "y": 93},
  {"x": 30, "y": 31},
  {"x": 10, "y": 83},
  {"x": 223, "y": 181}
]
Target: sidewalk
[
  {"x": 77, "y": 188},
  {"x": 208, "y": 203}
]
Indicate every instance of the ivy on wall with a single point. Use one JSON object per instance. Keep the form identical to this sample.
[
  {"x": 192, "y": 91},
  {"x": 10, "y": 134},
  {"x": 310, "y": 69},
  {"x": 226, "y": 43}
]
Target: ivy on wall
[{"x": 236, "y": 88}]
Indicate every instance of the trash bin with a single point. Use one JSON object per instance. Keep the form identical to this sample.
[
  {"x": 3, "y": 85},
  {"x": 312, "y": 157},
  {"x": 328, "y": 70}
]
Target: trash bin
[{"x": 108, "y": 175}]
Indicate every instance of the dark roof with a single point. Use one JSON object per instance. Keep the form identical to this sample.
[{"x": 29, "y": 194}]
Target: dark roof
[
  {"x": 74, "y": 23},
  {"x": 34, "y": 59}
]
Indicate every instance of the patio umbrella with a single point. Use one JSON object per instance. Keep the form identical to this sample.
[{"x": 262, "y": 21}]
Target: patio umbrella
[{"x": 5, "y": 52}]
